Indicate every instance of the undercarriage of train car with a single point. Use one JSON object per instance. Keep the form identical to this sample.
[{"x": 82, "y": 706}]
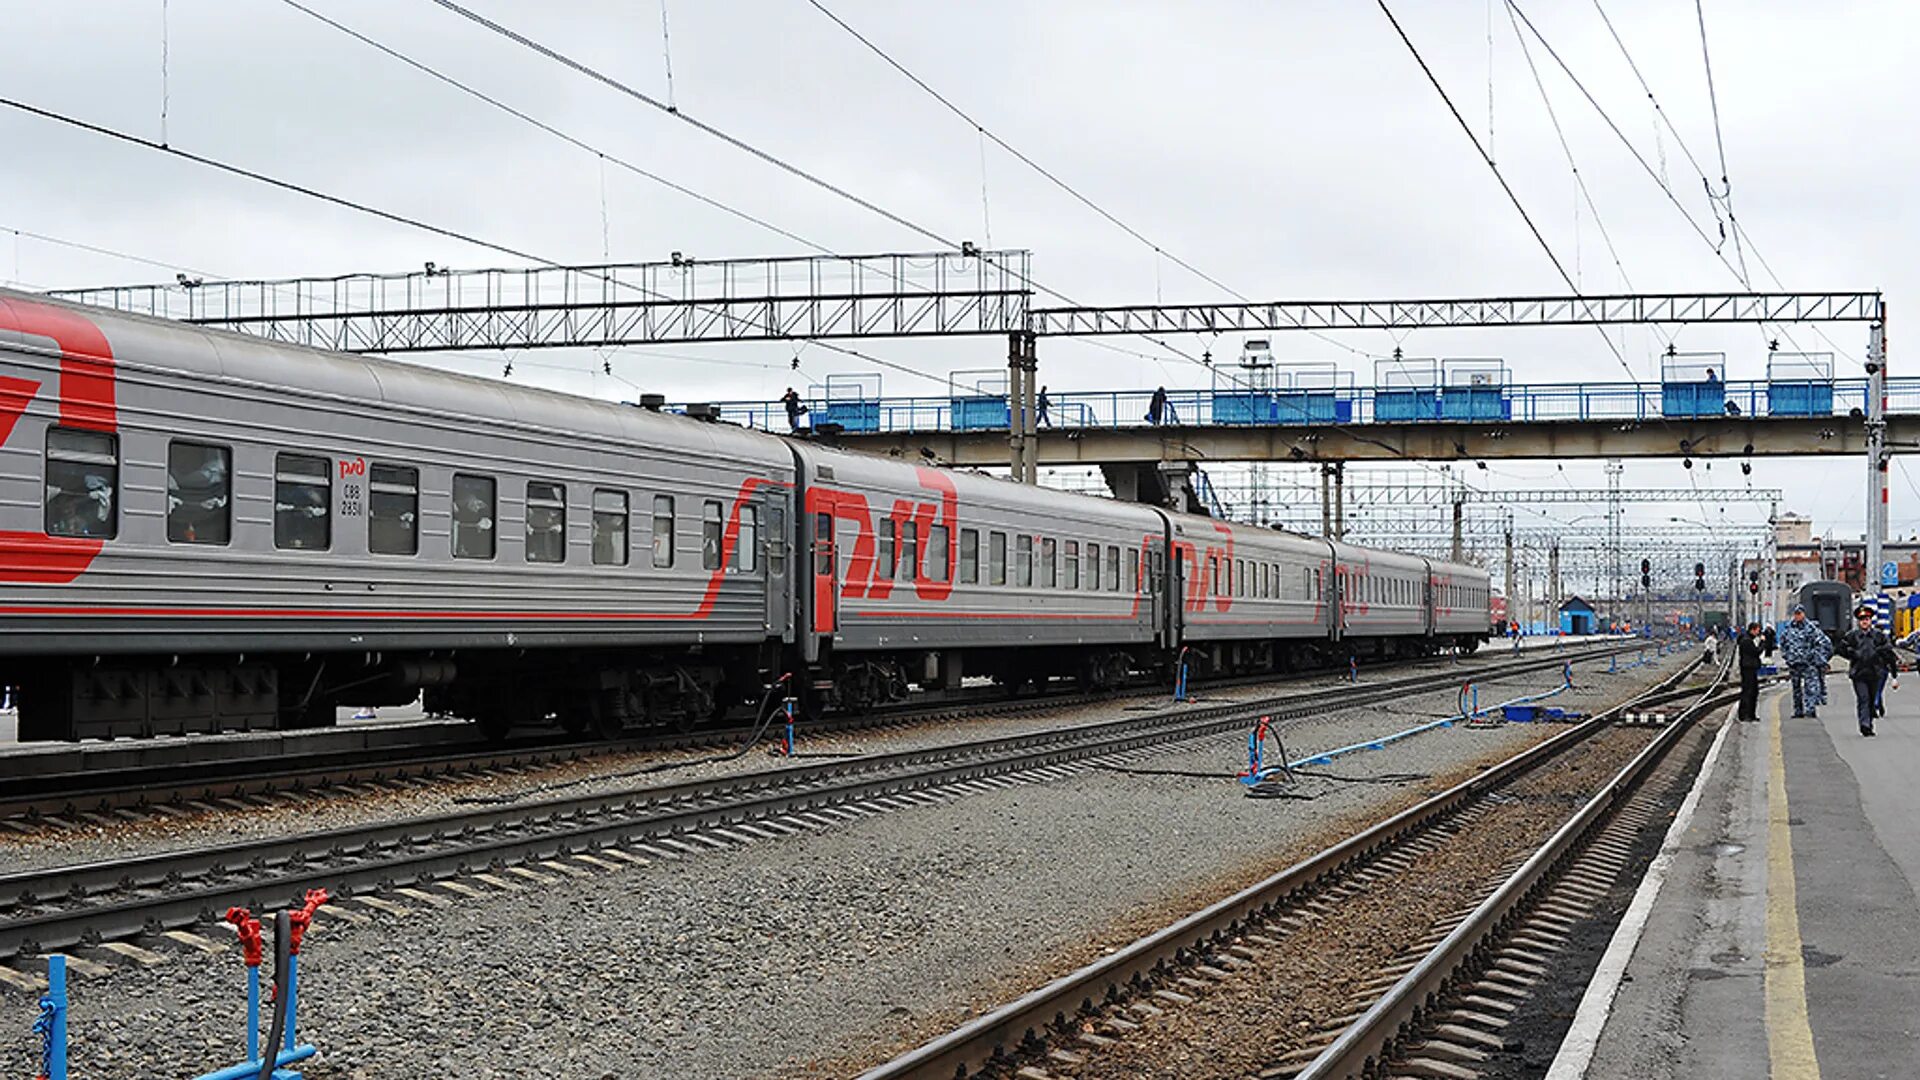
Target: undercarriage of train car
[{"x": 608, "y": 691}]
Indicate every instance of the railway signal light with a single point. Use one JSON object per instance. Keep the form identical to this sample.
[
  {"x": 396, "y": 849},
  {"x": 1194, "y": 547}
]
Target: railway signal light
[{"x": 1753, "y": 582}]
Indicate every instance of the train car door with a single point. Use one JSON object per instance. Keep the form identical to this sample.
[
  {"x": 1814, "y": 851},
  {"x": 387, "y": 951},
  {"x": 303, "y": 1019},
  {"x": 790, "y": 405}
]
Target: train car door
[
  {"x": 777, "y": 543},
  {"x": 826, "y": 583},
  {"x": 1156, "y": 556}
]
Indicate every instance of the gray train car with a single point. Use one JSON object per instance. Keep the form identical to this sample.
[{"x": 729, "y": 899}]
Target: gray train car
[
  {"x": 202, "y": 531},
  {"x": 1384, "y": 607},
  {"x": 1254, "y": 599},
  {"x": 924, "y": 576},
  {"x": 1461, "y": 599}
]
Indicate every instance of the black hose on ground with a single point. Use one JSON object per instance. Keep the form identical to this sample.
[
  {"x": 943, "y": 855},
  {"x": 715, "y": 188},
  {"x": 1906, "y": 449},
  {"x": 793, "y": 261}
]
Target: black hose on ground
[{"x": 282, "y": 967}]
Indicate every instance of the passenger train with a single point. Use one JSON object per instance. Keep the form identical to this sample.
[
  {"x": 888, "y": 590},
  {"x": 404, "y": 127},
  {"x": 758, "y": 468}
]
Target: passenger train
[{"x": 202, "y": 531}]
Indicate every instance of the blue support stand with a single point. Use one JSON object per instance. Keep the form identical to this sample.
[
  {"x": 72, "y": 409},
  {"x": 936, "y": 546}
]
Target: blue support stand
[
  {"x": 1180, "y": 678},
  {"x": 51, "y": 1027},
  {"x": 787, "y": 706},
  {"x": 1353, "y": 669}
]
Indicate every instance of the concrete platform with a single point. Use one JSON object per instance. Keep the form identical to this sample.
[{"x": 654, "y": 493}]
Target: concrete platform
[{"x": 1784, "y": 939}]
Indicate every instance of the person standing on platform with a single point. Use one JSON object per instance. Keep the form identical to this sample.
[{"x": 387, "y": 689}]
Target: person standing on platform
[
  {"x": 1870, "y": 659},
  {"x": 1804, "y": 646},
  {"x": 1752, "y": 648}
]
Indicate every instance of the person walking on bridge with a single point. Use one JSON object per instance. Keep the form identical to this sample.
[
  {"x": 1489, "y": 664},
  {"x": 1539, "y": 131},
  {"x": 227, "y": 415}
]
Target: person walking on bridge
[
  {"x": 1804, "y": 646},
  {"x": 795, "y": 410},
  {"x": 1870, "y": 659},
  {"x": 1752, "y": 648}
]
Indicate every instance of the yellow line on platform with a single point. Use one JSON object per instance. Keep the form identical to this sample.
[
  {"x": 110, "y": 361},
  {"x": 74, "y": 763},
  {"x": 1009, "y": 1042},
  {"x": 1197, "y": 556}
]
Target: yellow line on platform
[{"x": 1789, "y": 1032}]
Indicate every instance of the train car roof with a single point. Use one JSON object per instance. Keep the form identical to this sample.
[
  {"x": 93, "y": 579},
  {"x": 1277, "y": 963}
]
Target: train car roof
[
  {"x": 140, "y": 341},
  {"x": 858, "y": 467}
]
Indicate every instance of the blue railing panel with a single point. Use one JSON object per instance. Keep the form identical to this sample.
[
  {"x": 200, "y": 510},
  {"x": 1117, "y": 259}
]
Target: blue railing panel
[{"x": 1548, "y": 403}]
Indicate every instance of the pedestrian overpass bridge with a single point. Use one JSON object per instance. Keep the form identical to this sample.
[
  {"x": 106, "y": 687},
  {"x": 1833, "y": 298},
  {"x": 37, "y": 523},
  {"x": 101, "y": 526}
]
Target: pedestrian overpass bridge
[{"x": 1696, "y": 418}]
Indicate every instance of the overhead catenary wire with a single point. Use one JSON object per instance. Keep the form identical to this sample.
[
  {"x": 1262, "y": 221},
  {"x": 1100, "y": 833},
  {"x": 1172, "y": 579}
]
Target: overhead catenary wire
[
  {"x": 985, "y": 133},
  {"x": 766, "y": 156},
  {"x": 1713, "y": 100},
  {"x": 1512, "y": 197},
  {"x": 364, "y": 208}
]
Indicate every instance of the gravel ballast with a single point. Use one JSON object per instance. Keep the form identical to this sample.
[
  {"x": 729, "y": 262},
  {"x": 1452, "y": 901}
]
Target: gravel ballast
[{"x": 806, "y": 956}]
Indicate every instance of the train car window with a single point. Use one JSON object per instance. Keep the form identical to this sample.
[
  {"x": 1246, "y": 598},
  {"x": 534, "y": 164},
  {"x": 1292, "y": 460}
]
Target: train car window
[
  {"x": 393, "y": 509},
  {"x": 777, "y": 550},
  {"x": 1093, "y": 567},
  {"x": 83, "y": 484},
  {"x": 199, "y": 493},
  {"x": 1113, "y": 568},
  {"x": 910, "y": 549},
  {"x": 1240, "y": 577},
  {"x": 746, "y": 548},
  {"x": 823, "y": 544},
  {"x": 969, "y": 556},
  {"x": 1023, "y": 561},
  {"x": 473, "y": 517},
  {"x": 1072, "y": 560},
  {"x": 710, "y": 532},
  {"x": 547, "y": 521},
  {"x": 1133, "y": 570},
  {"x": 884, "y": 556},
  {"x": 936, "y": 554},
  {"x": 302, "y": 502},
  {"x": 996, "y": 558},
  {"x": 663, "y": 532},
  {"x": 1049, "y": 562},
  {"x": 609, "y": 527}
]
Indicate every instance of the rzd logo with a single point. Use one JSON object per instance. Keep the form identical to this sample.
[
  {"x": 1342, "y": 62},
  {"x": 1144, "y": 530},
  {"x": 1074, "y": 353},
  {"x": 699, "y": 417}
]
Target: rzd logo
[{"x": 356, "y": 467}]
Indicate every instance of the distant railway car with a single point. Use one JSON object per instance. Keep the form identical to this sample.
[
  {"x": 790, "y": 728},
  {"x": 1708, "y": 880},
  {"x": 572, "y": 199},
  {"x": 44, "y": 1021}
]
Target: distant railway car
[
  {"x": 1829, "y": 603},
  {"x": 924, "y": 575},
  {"x": 1464, "y": 603},
  {"x": 202, "y": 531},
  {"x": 1384, "y": 605}
]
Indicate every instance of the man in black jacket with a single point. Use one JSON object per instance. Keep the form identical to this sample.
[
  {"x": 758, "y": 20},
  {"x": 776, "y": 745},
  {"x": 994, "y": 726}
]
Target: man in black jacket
[
  {"x": 1870, "y": 659},
  {"x": 1752, "y": 648}
]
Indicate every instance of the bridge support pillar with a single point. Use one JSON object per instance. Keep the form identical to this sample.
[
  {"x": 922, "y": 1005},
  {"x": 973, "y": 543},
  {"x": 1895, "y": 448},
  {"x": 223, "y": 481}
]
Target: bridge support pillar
[
  {"x": 1169, "y": 484},
  {"x": 1023, "y": 366}
]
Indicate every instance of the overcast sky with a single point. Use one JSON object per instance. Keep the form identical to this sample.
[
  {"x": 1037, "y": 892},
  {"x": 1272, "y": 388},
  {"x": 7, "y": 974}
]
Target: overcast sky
[{"x": 1288, "y": 149}]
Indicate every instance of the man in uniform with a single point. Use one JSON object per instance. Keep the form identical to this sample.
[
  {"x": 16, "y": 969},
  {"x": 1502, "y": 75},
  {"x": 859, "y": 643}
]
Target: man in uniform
[
  {"x": 1805, "y": 647},
  {"x": 1870, "y": 659}
]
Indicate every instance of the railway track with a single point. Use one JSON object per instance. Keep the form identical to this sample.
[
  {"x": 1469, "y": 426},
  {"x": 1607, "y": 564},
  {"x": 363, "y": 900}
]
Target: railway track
[
  {"x": 62, "y": 907},
  {"x": 1279, "y": 952},
  {"x": 76, "y": 784}
]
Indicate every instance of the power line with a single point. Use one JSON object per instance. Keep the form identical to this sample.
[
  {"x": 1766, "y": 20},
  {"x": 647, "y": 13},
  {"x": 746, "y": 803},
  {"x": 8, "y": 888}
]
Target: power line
[
  {"x": 1051, "y": 176},
  {"x": 109, "y": 252},
  {"x": 784, "y": 165},
  {"x": 1713, "y": 99},
  {"x": 1739, "y": 272},
  {"x": 1055, "y": 179},
  {"x": 364, "y": 208},
  {"x": 1477, "y": 148},
  {"x": 1565, "y": 149},
  {"x": 682, "y": 115},
  {"x": 480, "y": 95},
  {"x": 1467, "y": 129}
]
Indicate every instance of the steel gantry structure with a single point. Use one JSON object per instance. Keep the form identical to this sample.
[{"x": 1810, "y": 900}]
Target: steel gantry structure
[{"x": 936, "y": 294}]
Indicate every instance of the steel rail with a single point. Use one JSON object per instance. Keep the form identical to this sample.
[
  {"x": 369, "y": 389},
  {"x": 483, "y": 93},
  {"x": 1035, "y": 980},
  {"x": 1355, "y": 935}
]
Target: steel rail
[
  {"x": 991, "y": 1035},
  {"x": 33, "y": 783},
  {"x": 181, "y": 888},
  {"x": 1364, "y": 1045}
]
